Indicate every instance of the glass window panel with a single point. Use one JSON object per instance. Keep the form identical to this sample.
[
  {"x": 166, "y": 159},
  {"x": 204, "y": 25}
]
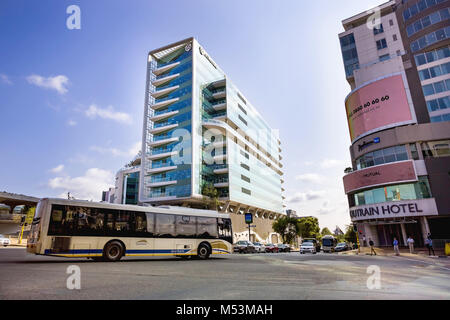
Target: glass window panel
[
  {"x": 447, "y": 83},
  {"x": 422, "y": 42},
  {"x": 431, "y": 3},
  {"x": 410, "y": 30},
  {"x": 186, "y": 226},
  {"x": 435, "y": 17},
  {"x": 432, "y": 105},
  {"x": 446, "y": 117},
  {"x": 444, "y": 103},
  {"x": 379, "y": 195},
  {"x": 413, "y": 10},
  {"x": 440, "y": 34},
  {"x": 393, "y": 193},
  {"x": 369, "y": 160},
  {"x": 389, "y": 154},
  {"x": 426, "y": 21},
  {"x": 428, "y": 89},
  {"x": 430, "y": 38},
  {"x": 420, "y": 59},
  {"x": 415, "y": 46},
  {"x": 401, "y": 153},
  {"x": 207, "y": 227},
  {"x": 445, "y": 14},
  {"x": 422, "y": 5},
  {"x": 414, "y": 152},
  {"x": 431, "y": 56},
  {"x": 165, "y": 225},
  {"x": 378, "y": 157},
  {"x": 359, "y": 199},
  {"x": 417, "y": 26},
  {"x": 435, "y": 71},
  {"x": 368, "y": 196},
  {"x": 436, "y": 119},
  {"x": 439, "y": 86},
  {"x": 443, "y": 53},
  {"x": 445, "y": 68},
  {"x": 424, "y": 74}
]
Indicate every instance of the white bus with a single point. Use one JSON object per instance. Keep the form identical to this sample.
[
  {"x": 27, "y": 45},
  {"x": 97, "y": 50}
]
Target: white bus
[
  {"x": 103, "y": 231},
  {"x": 328, "y": 243}
]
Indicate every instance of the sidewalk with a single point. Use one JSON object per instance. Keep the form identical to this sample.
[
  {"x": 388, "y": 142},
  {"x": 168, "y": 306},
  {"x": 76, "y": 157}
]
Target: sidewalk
[
  {"x": 421, "y": 253},
  {"x": 14, "y": 242}
]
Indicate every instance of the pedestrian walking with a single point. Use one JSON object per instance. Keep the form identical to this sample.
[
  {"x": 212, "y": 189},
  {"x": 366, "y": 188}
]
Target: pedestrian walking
[
  {"x": 429, "y": 244},
  {"x": 410, "y": 243},
  {"x": 396, "y": 250},
  {"x": 364, "y": 240},
  {"x": 372, "y": 250}
]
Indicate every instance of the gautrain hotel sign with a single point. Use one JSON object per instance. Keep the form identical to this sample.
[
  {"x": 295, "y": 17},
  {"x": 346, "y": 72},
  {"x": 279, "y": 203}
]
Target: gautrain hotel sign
[{"x": 410, "y": 208}]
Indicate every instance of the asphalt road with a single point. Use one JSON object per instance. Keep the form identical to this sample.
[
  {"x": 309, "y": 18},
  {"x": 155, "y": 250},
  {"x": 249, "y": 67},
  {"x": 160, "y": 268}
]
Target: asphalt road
[{"x": 287, "y": 276}]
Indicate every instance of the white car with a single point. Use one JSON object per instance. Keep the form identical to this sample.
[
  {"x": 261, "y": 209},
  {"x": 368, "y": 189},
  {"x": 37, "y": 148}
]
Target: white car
[
  {"x": 259, "y": 247},
  {"x": 307, "y": 247},
  {"x": 4, "y": 241}
]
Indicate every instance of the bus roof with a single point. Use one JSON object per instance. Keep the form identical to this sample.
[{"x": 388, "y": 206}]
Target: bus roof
[{"x": 149, "y": 209}]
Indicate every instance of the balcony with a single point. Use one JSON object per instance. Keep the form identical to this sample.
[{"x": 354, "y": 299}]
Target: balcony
[
  {"x": 161, "y": 142},
  {"x": 160, "y": 93},
  {"x": 162, "y": 154},
  {"x": 221, "y": 116},
  {"x": 163, "y": 116},
  {"x": 219, "y": 93},
  {"x": 219, "y": 105},
  {"x": 161, "y": 168},
  {"x": 221, "y": 183},
  {"x": 161, "y": 182},
  {"x": 164, "y": 103},
  {"x": 165, "y": 68},
  {"x": 163, "y": 127},
  {"x": 161, "y": 80}
]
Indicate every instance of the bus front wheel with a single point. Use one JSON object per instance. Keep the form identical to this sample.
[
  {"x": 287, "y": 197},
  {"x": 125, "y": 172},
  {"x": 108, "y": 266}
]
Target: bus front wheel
[
  {"x": 113, "y": 251},
  {"x": 203, "y": 251}
]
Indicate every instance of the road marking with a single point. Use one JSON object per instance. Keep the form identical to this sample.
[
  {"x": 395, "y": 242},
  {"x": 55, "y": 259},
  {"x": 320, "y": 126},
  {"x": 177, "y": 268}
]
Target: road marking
[{"x": 433, "y": 264}]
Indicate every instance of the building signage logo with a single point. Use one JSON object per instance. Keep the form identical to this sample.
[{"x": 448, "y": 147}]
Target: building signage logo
[
  {"x": 188, "y": 47},
  {"x": 203, "y": 53},
  {"x": 367, "y": 144}
]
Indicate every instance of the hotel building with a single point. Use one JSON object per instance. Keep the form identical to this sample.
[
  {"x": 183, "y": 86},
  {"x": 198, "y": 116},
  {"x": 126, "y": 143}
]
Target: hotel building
[
  {"x": 398, "y": 112},
  {"x": 199, "y": 130}
]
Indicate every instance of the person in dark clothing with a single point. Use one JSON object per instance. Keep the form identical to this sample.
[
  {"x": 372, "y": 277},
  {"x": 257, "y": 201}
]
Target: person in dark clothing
[
  {"x": 429, "y": 244},
  {"x": 372, "y": 250}
]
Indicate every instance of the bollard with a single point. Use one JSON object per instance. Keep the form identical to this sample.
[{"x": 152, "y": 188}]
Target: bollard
[{"x": 447, "y": 249}]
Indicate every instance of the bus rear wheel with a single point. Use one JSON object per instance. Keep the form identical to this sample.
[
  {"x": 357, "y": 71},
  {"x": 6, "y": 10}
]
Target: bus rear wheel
[
  {"x": 203, "y": 251},
  {"x": 113, "y": 251}
]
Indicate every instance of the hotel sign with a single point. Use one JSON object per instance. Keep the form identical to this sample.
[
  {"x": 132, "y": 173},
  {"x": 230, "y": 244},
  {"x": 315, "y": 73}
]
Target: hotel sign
[
  {"x": 203, "y": 53},
  {"x": 397, "y": 172},
  {"x": 411, "y": 208}
]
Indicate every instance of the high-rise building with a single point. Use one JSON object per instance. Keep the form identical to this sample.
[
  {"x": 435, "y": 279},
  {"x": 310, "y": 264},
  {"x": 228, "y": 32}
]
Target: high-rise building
[
  {"x": 201, "y": 134},
  {"x": 397, "y": 62}
]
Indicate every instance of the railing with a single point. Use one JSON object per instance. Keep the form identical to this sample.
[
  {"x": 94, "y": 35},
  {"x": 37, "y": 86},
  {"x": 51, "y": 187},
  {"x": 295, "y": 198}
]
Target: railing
[
  {"x": 220, "y": 180},
  {"x": 163, "y": 137},
  {"x": 219, "y": 102},
  {"x": 159, "y": 179},
  {"x": 162, "y": 165},
  {"x": 161, "y": 194},
  {"x": 160, "y": 151},
  {"x": 220, "y": 90},
  {"x": 164, "y": 124}
]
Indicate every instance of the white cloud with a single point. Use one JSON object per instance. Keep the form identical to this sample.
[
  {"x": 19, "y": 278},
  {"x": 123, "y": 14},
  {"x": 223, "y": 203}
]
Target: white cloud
[
  {"x": 87, "y": 187},
  {"x": 331, "y": 163},
  {"x": 57, "y": 169},
  {"x": 131, "y": 152},
  {"x": 93, "y": 112},
  {"x": 310, "y": 177},
  {"x": 306, "y": 196},
  {"x": 5, "y": 79},
  {"x": 71, "y": 123},
  {"x": 57, "y": 83}
]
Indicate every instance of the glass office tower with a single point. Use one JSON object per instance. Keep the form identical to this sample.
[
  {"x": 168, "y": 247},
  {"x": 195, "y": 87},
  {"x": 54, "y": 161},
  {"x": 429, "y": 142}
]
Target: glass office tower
[{"x": 199, "y": 130}]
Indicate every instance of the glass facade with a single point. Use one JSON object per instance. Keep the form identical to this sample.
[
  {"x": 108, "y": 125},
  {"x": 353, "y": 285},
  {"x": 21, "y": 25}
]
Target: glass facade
[
  {"x": 382, "y": 156},
  {"x": 131, "y": 187},
  {"x": 399, "y": 192},
  {"x": 349, "y": 54},
  {"x": 204, "y": 94}
]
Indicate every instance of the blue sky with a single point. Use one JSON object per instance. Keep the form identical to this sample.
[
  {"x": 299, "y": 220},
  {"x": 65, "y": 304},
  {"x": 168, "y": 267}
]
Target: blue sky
[{"x": 72, "y": 100}]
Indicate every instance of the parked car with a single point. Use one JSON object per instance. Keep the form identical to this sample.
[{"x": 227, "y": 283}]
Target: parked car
[
  {"x": 259, "y": 247},
  {"x": 308, "y": 247},
  {"x": 4, "y": 241},
  {"x": 270, "y": 247},
  {"x": 244, "y": 247},
  {"x": 342, "y": 246},
  {"x": 315, "y": 243},
  {"x": 283, "y": 247}
]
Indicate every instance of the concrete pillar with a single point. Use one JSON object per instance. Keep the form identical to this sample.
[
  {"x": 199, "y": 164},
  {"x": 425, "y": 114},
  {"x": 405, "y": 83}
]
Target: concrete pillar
[
  {"x": 405, "y": 237},
  {"x": 425, "y": 228}
]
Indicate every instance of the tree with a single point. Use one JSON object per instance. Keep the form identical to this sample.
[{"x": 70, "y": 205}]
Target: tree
[
  {"x": 350, "y": 234},
  {"x": 325, "y": 231},
  {"x": 287, "y": 228},
  {"x": 308, "y": 227},
  {"x": 210, "y": 196}
]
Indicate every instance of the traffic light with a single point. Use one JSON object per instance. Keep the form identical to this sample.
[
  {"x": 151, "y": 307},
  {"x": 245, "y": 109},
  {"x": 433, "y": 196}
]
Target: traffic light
[{"x": 22, "y": 220}]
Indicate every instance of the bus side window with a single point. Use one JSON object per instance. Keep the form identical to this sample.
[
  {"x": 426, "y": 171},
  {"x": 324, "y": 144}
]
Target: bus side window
[
  {"x": 185, "y": 226},
  {"x": 56, "y": 220},
  {"x": 150, "y": 224},
  {"x": 206, "y": 228},
  {"x": 165, "y": 225}
]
